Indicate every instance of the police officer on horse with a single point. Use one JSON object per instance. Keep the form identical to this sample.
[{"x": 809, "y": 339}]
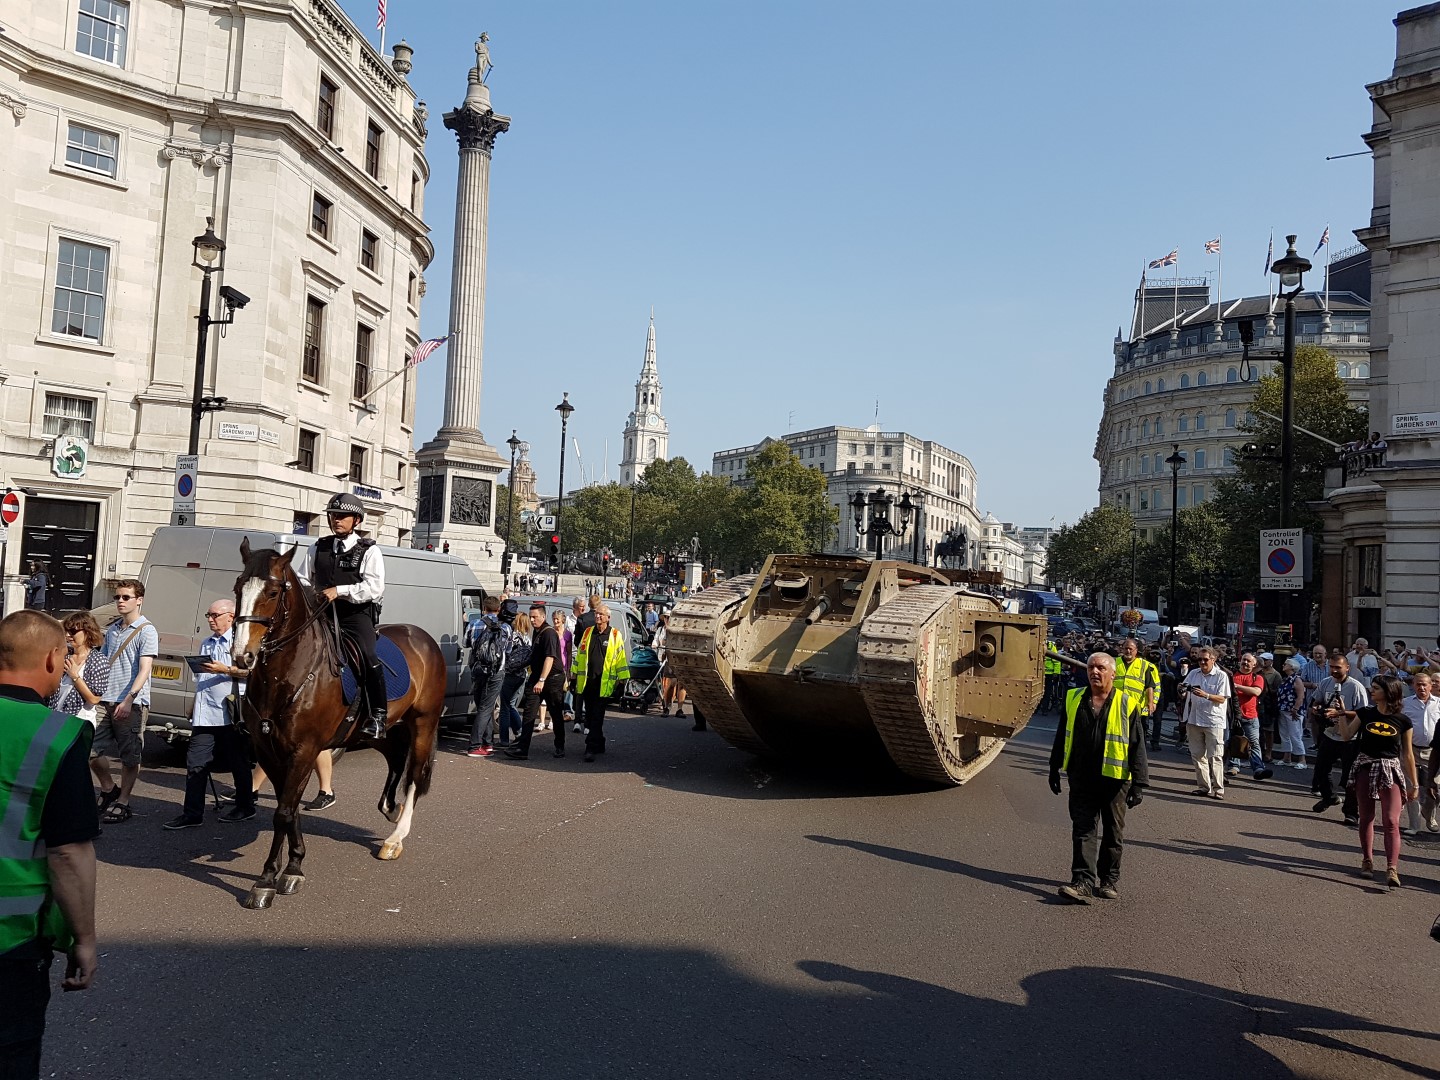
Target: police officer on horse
[{"x": 349, "y": 571}]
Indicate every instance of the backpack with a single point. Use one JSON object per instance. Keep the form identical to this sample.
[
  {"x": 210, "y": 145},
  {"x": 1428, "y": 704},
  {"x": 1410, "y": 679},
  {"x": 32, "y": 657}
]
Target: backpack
[
  {"x": 488, "y": 653},
  {"x": 518, "y": 657}
]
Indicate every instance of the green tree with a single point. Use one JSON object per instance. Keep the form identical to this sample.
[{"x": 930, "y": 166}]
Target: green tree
[
  {"x": 1094, "y": 553},
  {"x": 784, "y": 508},
  {"x": 595, "y": 517},
  {"x": 1202, "y": 554}
]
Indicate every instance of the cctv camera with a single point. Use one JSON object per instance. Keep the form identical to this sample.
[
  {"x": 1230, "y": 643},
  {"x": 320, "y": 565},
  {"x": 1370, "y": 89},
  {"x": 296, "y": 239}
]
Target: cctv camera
[{"x": 233, "y": 298}]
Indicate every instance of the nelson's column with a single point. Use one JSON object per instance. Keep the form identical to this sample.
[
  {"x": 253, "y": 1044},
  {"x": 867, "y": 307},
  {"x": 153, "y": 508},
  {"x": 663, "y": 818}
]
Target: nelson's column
[{"x": 458, "y": 469}]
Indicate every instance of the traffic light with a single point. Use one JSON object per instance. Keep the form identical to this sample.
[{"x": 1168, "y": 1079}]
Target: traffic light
[
  {"x": 445, "y": 548},
  {"x": 505, "y": 564},
  {"x": 554, "y": 543}
]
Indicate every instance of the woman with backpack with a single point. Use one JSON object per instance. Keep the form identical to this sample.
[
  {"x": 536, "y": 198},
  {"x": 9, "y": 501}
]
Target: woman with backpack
[
  {"x": 488, "y": 654},
  {"x": 517, "y": 661}
]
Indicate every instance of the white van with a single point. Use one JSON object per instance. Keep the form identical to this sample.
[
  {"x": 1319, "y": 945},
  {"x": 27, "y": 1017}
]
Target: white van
[{"x": 188, "y": 567}]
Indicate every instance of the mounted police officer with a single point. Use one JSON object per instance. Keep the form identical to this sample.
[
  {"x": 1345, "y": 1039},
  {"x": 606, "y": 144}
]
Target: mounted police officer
[{"x": 349, "y": 571}]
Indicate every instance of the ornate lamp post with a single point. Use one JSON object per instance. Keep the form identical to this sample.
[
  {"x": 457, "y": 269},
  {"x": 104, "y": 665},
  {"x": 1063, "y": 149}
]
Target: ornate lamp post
[
  {"x": 209, "y": 257},
  {"x": 564, "y": 409},
  {"x": 1291, "y": 269},
  {"x": 514, "y": 443},
  {"x": 877, "y": 525},
  {"x": 1176, "y": 461}
]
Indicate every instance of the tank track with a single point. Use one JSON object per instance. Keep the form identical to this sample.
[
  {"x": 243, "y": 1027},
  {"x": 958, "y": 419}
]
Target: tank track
[
  {"x": 892, "y": 668},
  {"x": 695, "y": 653}
]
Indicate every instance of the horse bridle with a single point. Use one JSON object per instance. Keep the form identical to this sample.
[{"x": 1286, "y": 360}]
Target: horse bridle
[{"x": 267, "y": 645}]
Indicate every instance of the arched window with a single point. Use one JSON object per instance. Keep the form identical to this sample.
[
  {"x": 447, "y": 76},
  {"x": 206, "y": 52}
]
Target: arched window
[
  {"x": 630, "y": 448},
  {"x": 1184, "y": 424},
  {"x": 1229, "y": 457},
  {"x": 1231, "y": 375},
  {"x": 1144, "y": 464},
  {"x": 1229, "y": 418},
  {"x": 1157, "y": 461},
  {"x": 1200, "y": 421},
  {"x": 1199, "y": 459},
  {"x": 1144, "y": 429},
  {"x": 1184, "y": 381},
  {"x": 1342, "y": 369},
  {"x": 1159, "y": 426},
  {"x": 1362, "y": 371},
  {"x": 650, "y": 450},
  {"x": 1202, "y": 379},
  {"x": 1147, "y": 387},
  {"x": 1162, "y": 386}
]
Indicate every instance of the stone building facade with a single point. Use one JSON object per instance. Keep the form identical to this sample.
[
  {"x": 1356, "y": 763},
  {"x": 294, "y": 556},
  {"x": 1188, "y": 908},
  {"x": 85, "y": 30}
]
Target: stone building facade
[
  {"x": 864, "y": 459},
  {"x": 131, "y": 123},
  {"x": 1182, "y": 380},
  {"x": 1382, "y": 509}
]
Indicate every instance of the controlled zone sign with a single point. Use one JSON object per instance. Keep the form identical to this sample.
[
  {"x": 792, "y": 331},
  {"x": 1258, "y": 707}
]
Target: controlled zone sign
[
  {"x": 1282, "y": 564},
  {"x": 187, "y": 474}
]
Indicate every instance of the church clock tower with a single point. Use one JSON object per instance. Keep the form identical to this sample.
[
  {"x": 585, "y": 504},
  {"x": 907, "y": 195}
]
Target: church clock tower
[{"x": 647, "y": 436}]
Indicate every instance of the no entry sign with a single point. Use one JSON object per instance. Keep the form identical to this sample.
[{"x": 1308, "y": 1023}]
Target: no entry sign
[
  {"x": 10, "y": 508},
  {"x": 1281, "y": 565}
]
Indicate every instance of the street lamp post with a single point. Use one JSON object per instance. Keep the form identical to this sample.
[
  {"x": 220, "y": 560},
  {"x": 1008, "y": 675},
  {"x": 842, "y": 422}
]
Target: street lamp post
[
  {"x": 632, "y": 519},
  {"x": 918, "y": 504},
  {"x": 209, "y": 257},
  {"x": 1291, "y": 269},
  {"x": 878, "y": 525},
  {"x": 1134, "y": 541},
  {"x": 564, "y": 409},
  {"x": 1176, "y": 461},
  {"x": 514, "y": 443}
]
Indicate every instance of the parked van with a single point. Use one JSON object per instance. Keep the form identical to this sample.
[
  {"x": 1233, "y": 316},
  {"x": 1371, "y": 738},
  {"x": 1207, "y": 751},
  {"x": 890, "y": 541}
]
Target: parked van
[{"x": 188, "y": 567}]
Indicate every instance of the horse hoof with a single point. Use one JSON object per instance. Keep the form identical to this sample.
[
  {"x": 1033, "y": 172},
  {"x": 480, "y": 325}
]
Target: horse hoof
[
  {"x": 290, "y": 884},
  {"x": 259, "y": 899},
  {"x": 389, "y": 851}
]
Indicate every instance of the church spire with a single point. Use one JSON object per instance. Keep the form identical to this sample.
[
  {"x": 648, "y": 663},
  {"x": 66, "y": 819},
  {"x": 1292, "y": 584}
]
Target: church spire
[
  {"x": 647, "y": 436},
  {"x": 648, "y": 368}
]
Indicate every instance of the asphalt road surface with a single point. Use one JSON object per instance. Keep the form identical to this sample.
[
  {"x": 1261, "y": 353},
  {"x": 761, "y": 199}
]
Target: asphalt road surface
[{"x": 681, "y": 909}]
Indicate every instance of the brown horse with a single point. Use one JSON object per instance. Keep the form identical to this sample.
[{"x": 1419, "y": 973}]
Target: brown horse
[{"x": 294, "y": 707}]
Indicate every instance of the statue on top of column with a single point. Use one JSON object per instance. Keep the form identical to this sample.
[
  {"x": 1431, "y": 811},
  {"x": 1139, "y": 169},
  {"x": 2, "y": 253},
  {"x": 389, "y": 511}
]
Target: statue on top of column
[{"x": 482, "y": 57}]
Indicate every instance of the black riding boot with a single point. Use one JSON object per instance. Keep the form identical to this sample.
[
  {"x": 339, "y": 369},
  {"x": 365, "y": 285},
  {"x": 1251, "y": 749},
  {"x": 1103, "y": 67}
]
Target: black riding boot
[{"x": 374, "y": 726}]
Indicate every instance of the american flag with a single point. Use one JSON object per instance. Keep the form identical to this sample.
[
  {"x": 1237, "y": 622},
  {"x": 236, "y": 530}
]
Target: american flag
[
  {"x": 1168, "y": 260},
  {"x": 380, "y": 17},
  {"x": 1324, "y": 239},
  {"x": 424, "y": 349},
  {"x": 1212, "y": 247}
]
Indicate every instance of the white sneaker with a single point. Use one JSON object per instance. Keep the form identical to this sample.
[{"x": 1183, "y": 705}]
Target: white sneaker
[
  {"x": 1432, "y": 824},
  {"x": 579, "y": 729}
]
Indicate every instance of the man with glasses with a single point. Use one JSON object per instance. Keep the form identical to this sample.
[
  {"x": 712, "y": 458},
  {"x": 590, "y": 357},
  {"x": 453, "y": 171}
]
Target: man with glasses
[
  {"x": 214, "y": 739},
  {"x": 131, "y": 645},
  {"x": 1203, "y": 695}
]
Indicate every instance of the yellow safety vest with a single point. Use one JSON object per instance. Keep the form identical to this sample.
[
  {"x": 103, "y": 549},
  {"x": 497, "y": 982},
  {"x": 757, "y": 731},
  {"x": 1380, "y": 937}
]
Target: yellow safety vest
[
  {"x": 616, "y": 667},
  {"x": 1052, "y": 665},
  {"x": 1115, "y": 763},
  {"x": 33, "y": 742},
  {"x": 1133, "y": 678}
]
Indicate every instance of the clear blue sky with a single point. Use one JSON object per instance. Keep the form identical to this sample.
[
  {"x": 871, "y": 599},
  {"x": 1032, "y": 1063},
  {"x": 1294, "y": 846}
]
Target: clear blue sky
[{"x": 944, "y": 206}]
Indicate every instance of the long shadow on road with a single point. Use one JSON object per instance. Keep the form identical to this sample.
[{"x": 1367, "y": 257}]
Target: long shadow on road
[{"x": 597, "y": 1011}]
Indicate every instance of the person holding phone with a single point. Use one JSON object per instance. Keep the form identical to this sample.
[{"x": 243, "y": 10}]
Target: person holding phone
[
  {"x": 1338, "y": 692},
  {"x": 1204, "y": 694},
  {"x": 1384, "y": 769}
]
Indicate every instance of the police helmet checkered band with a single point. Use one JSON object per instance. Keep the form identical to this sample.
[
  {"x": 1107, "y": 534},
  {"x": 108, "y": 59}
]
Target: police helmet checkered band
[{"x": 344, "y": 503}]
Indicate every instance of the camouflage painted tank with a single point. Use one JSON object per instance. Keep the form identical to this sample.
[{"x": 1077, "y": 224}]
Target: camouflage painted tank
[{"x": 839, "y": 653}]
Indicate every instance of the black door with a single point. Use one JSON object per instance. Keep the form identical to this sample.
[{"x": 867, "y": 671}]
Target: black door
[{"x": 62, "y": 535}]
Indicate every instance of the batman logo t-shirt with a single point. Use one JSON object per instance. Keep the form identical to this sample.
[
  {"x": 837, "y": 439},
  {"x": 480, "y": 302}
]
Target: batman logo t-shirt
[{"x": 1381, "y": 734}]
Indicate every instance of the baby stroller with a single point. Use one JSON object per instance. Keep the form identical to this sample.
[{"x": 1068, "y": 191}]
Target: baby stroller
[{"x": 642, "y": 689}]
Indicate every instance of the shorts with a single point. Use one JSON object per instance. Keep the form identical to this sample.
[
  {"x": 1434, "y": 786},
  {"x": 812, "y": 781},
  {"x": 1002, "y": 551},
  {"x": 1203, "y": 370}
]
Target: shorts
[{"x": 122, "y": 740}]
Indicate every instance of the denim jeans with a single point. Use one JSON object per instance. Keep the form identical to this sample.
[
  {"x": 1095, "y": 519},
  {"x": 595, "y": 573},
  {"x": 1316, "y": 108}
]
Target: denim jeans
[
  {"x": 510, "y": 690},
  {"x": 486, "y": 695},
  {"x": 1251, "y": 731}
]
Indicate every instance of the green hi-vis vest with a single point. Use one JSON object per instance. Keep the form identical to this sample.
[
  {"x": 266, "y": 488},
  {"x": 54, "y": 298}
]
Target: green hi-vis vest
[
  {"x": 1052, "y": 665},
  {"x": 616, "y": 667},
  {"x": 33, "y": 741},
  {"x": 1116, "y": 761},
  {"x": 1132, "y": 678}
]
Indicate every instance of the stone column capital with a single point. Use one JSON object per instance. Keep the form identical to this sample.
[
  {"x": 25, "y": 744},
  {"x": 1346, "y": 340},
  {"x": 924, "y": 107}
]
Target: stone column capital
[{"x": 475, "y": 129}]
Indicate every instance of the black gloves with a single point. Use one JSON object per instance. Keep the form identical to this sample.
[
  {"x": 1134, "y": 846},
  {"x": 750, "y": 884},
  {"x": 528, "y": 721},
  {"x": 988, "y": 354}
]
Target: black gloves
[
  {"x": 1055, "y": 782},
  {"x": 1134, "y": 796}
]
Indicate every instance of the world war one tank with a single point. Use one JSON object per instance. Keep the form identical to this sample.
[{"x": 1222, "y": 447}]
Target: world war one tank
[{"x": 821, "y": 653}]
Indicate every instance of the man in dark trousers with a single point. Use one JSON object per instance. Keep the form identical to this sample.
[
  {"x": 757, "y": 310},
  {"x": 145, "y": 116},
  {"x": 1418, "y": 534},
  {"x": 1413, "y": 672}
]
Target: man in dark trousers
[
  {"x": 584, "y": 619},
  {"x": 598, "y": 664},
  {"x": 47, "y": 878},
  {"x": 546, "y": 684},
  {"x": 349, "y": 571},
  {"x": 1100, "y": 746}
]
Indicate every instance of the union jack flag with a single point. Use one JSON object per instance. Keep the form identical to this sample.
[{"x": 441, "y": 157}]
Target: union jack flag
[
  {"x": 380, "y": 17},
  {"x": 1212, "y": 247},
  {"x": 1270, "y": 253},
  {"x": 1168, "y": 260},
  {"x": 1324, "y": 239},
  {"x": 424, "y": 349}
]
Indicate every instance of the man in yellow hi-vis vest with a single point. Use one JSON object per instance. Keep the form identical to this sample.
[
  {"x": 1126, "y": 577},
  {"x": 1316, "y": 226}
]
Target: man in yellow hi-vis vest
[
  {"x": 598, "y": 665},
  {"x": 47, "y": 827},
  {"x": 1140, "y": 679},
  {"x": 1100, "y": 746}
]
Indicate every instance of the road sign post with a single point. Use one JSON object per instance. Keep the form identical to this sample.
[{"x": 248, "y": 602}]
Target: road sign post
[
  {"x": 9, "y": 514},
  {"x": 187, "y": 478},
  {"x": 1282, "y": 566}
]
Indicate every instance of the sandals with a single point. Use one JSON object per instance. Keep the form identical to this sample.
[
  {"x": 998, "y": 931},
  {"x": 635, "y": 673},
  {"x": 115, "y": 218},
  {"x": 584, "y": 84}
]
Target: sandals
[
  {"x": 105, "y": 798},
  {"x": 115, "y": 813}
]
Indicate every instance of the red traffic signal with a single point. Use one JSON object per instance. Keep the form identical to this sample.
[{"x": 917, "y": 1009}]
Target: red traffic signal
[{"x": 554, "y": 543}]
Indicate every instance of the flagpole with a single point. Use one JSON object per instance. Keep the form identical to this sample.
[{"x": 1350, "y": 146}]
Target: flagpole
[
  {"x": 393, "y": 376},
  {"x": 1220, "y": 282},
  {"x": 1327, "y": 273},
  {"x": 1140, "y": 322},
  {"x": 1175, "y": 309}
]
